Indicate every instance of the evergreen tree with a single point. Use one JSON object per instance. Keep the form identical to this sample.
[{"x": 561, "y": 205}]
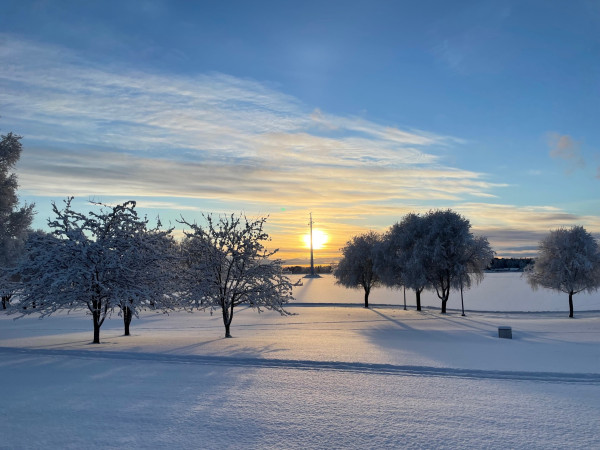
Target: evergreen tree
[{"x": 15, "y": 220}]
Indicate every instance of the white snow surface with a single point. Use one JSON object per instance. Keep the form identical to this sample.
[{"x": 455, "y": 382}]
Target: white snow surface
[
  {"x": 499, "y": 291},
  {"x": 330, "y": 376}
]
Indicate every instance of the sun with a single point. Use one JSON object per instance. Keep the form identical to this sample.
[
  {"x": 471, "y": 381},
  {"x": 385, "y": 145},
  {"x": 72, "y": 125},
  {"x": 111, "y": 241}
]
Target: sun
[{"x": 320, "y": 238}]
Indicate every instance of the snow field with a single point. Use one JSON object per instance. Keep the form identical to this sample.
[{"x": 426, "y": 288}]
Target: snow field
[
  {"x": 66, "y": 402},
  {"x": 546, "y": 342},
  {"x": 333, "y": 376},
  {"x": 499, "y": 291}
]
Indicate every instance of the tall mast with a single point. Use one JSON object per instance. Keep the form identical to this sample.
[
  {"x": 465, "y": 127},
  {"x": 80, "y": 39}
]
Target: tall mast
[
  {"x": 312, "y": 261},
  {"x": 312, "y": 273}
]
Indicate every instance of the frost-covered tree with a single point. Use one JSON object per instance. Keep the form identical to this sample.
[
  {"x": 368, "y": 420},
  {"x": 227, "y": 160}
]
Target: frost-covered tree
[
  {"x": 152, "y": 261},
  {"x": 104, "y": 261},
  {"x": 452, "y": 255},
  {"x": 568, "y": 261},
  {"x": 15, "y": 220},
  {"x": 356, "y": 268},
  {"x": 227, "y": 265},
  {"x": 401, "y": 262},
  {"x": 477, "y": 256}
]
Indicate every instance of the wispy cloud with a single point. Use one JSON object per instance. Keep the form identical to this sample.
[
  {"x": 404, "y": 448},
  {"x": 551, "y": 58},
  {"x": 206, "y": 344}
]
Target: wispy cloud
[
  {"x": 526, "y": 218},
  {"x": 110, "y": 131},
  {"x": 516, "y": 230},
  {"x": 282, "y": 180},
  {"x": 179, "y": 143},
  {"x": 564, "y": 147},
  {"x": 148, "y": 204}
]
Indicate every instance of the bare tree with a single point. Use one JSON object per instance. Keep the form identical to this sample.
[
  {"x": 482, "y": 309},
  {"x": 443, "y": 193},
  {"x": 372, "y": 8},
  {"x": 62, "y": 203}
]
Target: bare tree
[
  {"x": 228, "y": 265},
  {"x": 356, "y": 268},
  {"x": 14, "y": 220},
  {"x": 101, "y": 261},
  {"x": 568, "y": 261}
]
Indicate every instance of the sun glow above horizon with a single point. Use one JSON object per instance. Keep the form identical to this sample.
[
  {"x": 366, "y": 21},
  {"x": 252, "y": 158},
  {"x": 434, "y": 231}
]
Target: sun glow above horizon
[{"x": 320, "y": 238}]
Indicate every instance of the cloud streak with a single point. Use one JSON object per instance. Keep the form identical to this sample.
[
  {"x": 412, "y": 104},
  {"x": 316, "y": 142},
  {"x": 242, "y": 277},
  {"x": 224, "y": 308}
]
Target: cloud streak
[
  {"x": 184, "y": 142},
  {"x": 109, "y": 131}
]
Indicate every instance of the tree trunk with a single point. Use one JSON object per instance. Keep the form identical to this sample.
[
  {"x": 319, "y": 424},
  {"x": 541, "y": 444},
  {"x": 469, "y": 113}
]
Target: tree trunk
[
  {"x": 571, "y": 304},
  {"x": 5, "y": 301},
  {"x": 96, "y": 328},
  {"x": 443, "y": 292},
  {"x": 227, "y": 317},
  {"x": 127, "y": 316},
  {"x": 96, "y": 318},
  {"x": 418, "y": 293},
  {"x": 366, "y": 298}
]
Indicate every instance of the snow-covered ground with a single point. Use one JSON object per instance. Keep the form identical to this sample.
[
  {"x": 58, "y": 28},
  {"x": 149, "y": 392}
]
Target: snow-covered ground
[
  {"x": 499, "y": 291},
  {"x": 336, "y": 376}
]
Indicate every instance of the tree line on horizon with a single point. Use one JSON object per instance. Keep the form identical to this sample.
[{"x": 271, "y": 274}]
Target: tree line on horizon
[
  {"x": 497, "y": 264},
  {"x": 111, "y": 260},
  {"x": 302, "y": 270}
]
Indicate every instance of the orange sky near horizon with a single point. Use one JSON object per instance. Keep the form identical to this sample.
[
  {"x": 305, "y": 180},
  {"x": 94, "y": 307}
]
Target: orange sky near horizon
[{"x": 506, "y": 229}]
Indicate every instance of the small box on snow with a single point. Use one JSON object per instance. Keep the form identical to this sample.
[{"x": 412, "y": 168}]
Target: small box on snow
[{"x": 505, "y": 332}]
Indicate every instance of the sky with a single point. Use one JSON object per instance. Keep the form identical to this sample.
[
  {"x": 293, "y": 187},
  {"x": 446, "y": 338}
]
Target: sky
[{"x": 359, "y": 112}]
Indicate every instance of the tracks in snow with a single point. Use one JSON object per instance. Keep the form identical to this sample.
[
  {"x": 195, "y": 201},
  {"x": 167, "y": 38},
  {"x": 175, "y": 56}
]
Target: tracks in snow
[{"x": 337, "y": 366}]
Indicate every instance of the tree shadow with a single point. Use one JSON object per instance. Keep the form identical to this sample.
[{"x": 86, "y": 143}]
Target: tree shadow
[{"x": 397, "y": 322}]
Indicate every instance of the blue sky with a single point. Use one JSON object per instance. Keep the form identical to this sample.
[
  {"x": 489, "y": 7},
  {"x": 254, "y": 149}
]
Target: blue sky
[{"x": 357, "y": 111}]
